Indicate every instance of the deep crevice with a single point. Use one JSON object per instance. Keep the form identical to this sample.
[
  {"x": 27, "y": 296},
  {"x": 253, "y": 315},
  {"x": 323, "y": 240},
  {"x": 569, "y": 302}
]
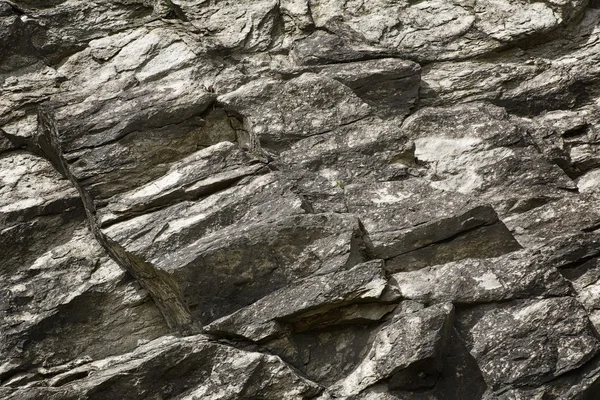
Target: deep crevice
[{"x": 163, "y": 289}]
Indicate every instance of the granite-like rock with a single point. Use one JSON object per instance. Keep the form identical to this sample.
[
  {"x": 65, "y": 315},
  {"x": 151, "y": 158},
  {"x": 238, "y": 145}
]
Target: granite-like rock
[
  {"x": 389, "y": 85},
  {"x": 564, "y": 217},
  {"x": 366, "y": 150},
  {"x": 484, "y": 153},
  {"x": 556, "y": 74},
  {"x": 444, "y": 227},
  {"x": 274, "y": 112},
  {"x": 218, "y": 273},
  {"x": 57, "y": 282}
]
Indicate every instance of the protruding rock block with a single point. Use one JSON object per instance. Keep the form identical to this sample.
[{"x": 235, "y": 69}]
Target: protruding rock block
[
  {"x": 192, "y": 367},
  {"x": 414, "y": 340},
  {"x": 440, "y": 228},
  {"x": 528, "y": 342},
  {"x": 305, "y": 300}
]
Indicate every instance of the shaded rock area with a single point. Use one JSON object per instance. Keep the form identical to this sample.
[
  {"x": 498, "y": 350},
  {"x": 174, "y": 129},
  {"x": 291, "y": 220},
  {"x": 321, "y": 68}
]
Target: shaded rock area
[{"x": 299, "y": 199}]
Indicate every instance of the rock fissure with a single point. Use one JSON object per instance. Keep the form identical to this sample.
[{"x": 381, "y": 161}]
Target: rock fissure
[{"x": 165, "y": 292}]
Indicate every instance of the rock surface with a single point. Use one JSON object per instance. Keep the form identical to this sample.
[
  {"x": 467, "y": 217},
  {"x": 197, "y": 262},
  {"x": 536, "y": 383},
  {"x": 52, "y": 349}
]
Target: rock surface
[{"x": 299, "y": 199}]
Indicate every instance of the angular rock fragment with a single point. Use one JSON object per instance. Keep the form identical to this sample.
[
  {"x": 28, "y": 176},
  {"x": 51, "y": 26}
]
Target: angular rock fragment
[
  {"x": 231, "y": 268},
  {"x": 73, "y": 291},
  {"x": 478, "y": 150},
  {"x": 185, "y": 221},
  {"x": 371, "y": 148},
  {"x": 113, "y": 127},
  {"x": 438, "y": 30},
  {"x": 58, "y": 282},
  {"x": 275, "y": 112},
  {"x": 524, "y": 81},
  {"x": 459, "y": 379},
  {"x": 326, "y": 47},
  {"x": 140, "y": 72},
  {"x": 324, "y": 355},
  {"x": 247, "y": 24},
  {"x": 50, "y": 31},
  {"x": 163, "y": 288},
  {"x": 306, "y": 299},
  {"x": 389, "y": 85},
  {"x": 197, "y": 175},
  {"x": 34, "y": 200},
  {"x": 416, "y": 340},
  {"x": 561, "y": 218},
  {"x": 20, "y": 96},
  {"x": 571, "y": 251},
  {"x": 576, "y": 257},
  {"x": 516, "y": 275},
  {"x": 30, "y": 187},
  {"x": 568, "y": 138},
  {"x": 583, "y": 384},
  {"x": 179, "y": 368},
  {"x": 528, "y": 342},
  {"x": 410, "y": 235}
]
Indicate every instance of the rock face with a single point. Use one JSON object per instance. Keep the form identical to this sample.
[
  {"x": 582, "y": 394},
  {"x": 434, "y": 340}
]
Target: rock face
[{"x": 299, "y": 199}]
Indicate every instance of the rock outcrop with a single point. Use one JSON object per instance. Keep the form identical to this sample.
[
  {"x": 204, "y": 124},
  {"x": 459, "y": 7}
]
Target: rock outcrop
[{"x": 299, "y": 199}]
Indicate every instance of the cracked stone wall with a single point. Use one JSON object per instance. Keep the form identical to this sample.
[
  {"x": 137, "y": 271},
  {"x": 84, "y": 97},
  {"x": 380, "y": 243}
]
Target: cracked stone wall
[{"x": 299, "y": 199}]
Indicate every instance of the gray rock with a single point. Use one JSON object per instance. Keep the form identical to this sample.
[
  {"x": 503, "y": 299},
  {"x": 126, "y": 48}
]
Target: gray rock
[
  {"x": 563, "y": 217},
  {"x": 30, "y": 187},
  {"x": 179, "y": 368},
  {"x": 281, "y": 120},
  {"x": 367, "y": 149},
  {"x": 583, "y": 385},
  {"x": 400, "y": 346},
  {"x": 198, "y": 175},
  {"x": 247, "y": 25},
  {"x": 231, "y": 268},
  {"x": 471, "y": 281},
  {"x": 483, "y": 152},
  {"x": 390, "y": 85},
  {"x": 325, "y": 355},
  {"x": 528, "y": 342},
  {"x": 568, "y": 138},
  {"x": 576, "y": 257},
  {"x": 57, "y": 282},
  {"x": 339, "y": 46},
  {"x": 525, "y": 80},
  {"x": 306, "y": 299},
  {"x": 438, "y": 31},
  {"x": 320, "y": 182},
  {"x": 443, "y": 228}
]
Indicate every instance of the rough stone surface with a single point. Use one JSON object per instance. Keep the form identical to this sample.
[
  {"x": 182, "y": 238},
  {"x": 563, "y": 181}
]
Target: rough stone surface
[
  {"x": 300, "y": 199},
  {"x": 180, "y": 368},
  {"x": 516, "y": 275},
  {"x": 435, "y": 30},
  {"x": 309, "y": 297},
  {"x": 512, "y": 347}
]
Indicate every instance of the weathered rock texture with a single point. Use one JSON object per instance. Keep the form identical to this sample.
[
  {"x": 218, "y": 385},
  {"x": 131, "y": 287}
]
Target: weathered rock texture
[{"x": 299, "y": 199}]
